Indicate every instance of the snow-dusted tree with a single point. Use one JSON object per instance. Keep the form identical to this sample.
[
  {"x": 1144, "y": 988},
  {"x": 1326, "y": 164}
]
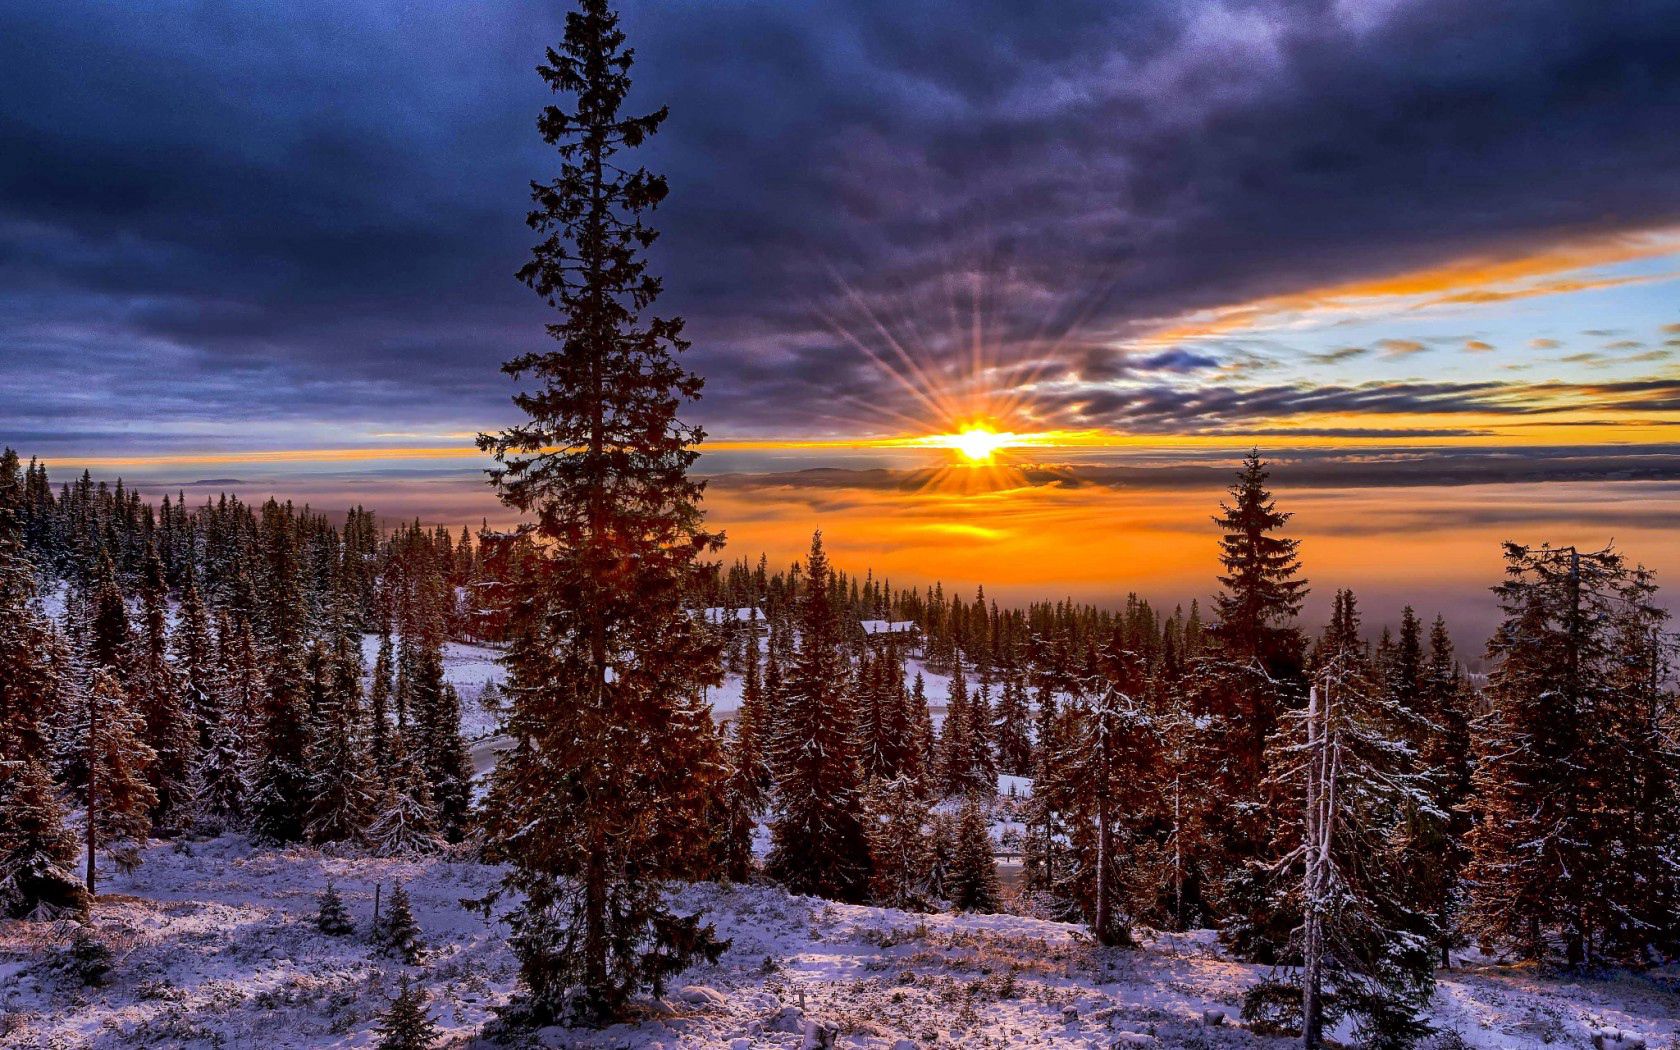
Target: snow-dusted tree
[
  {"x": 957, "y": 738},
  {"x": 734, "y": 818},
  {"x": 281, "y": 784},
  {"x": 1258, "y": 659},
  {"x": 1360, "y": 948},
  {"x": 37, "y": 852},
  {"x": 407, "y": 1025},
  {"x": 972, "y": 884},
  {"x": 606, "y": 788},
  {"x": 28, "y": 676},
  {"x": 379, "y": 705},
  {"x": 193, "y": 647},
  {"x": 118, "y": 799},
  {"x": 1014, "y": 732},
  {"x": 331, "y": 916},
  {"x": 818, "y": 843},
  {"x": 900, "y": 849},
  {"x": 1108, "y": 751},
  {"x": 395, "y": 931},
  {"x": 221, "y": 788},
  {"x": 342, "y": 800},
  {"x": 752, "y": 721},
  {"x": 1560, "y": 791},
  {"x": 1044, "y": 861},
  {"x": 160, "y": 697},
  {"x": 405, "y": 819}
]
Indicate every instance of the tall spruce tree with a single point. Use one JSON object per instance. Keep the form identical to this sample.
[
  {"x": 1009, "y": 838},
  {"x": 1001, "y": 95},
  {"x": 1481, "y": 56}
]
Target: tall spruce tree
[
  {"x": 1565, "y": 760},
  {"x": 1359, "y": 947},
  {"x": 817, "y": 838},
  {"x": 601, "y": 798},
  {"x": 37, "y": 850}
]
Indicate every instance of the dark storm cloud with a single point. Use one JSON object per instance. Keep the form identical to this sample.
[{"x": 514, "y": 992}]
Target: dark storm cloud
[{"x": 214, "y": 216}]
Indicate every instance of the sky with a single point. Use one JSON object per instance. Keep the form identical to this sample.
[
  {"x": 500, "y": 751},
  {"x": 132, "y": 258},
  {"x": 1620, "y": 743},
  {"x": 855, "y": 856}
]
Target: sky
[{"x": 275, "y": 243}]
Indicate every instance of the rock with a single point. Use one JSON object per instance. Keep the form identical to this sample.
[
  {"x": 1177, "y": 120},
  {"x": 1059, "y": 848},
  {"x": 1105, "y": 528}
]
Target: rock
[
  {"x": 740, "y": 1044},
  {"x": 1070, "y": 1014},
  {"x": 700, "y": 995},
  {"x": 1213, "y": 1018},
  {"x": 904, "y": 1044},
  {"x": 789, "y": 1019},
  {"x": 818, "y": 1036}
]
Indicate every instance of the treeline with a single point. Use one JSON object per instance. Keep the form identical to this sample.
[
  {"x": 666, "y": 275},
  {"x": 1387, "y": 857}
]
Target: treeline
[
  {"x": 1054, "y": 635},
  {"x": 207, "y": 674}
]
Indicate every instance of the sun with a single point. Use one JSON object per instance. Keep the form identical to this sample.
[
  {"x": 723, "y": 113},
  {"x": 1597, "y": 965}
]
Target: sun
[{"x": 978, "y": 444}]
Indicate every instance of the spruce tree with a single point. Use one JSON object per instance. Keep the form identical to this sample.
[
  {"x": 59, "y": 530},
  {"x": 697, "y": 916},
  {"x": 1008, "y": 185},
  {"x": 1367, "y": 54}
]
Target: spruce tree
[
  {"x": 603, "y": 795},
  {"x": 405, "y": 820},
  {"x": 1108, "y": 750},
  {"x": 221, "y": 787},
  {"x": 379, "y": 705},
  {"x": 280, "y": 788},
  {"x": 972, "y": 884},
  {"x": 1260, "y": 648},
  {"x": 168, "y": 722},
  {"x": 341, "y": 798},
  {"x": 395, "y": 931},
  {"x": 37, "y": 852},
  {"x": 1564, "y": 759},
  {"x": 817, "y": 838},
  {"x": 957, "y": 736},
  {"x": 118, "y": 798},
  {"x": 1014, "y": 734},
  {"x": 900, "y": 849},
  {"x": 407, "y": 1025},
  {"x": 1360, "y": 947},
  {"x": 331, "y": 917}
]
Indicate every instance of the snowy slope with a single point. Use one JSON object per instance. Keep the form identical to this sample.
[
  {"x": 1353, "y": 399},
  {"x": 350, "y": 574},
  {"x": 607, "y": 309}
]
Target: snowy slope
[{"x": 216, "y": 947}]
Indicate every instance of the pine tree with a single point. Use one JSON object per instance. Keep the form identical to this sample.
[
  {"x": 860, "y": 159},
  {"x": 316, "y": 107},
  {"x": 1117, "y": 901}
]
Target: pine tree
[
  {"x": 405, "y": 820},
  {"x": 379, "y": 705},
  {"x": 1014, "y": 738},
  {"x": 609, "y": 779},
  {"x": 1259, "y": 644},
  {"x": 280, "y": 788},
  {"x": 1108, "y": 755},
  {"x": 1360, "y": 948},
  {"x": 341, "y": 799},
  {"x": 900, "y": 849},
  {"x": 331, "y": 917},
  {"x": 221, "y": 788},
  {"x": 168, "y": 723},
  {"x": 957, "y": 736},
  {"x": 817, "y": 838},
  {"x": 407, "y": 1026},
  {"x": 395, "y": 932},
  {"x": 1262, "y": 590},
  {"x": 1558, "y": 844},
  {"x": 37, "y": 852},
  {"x": 973, "y": 882},
  {"x": 118, "y": 798}
]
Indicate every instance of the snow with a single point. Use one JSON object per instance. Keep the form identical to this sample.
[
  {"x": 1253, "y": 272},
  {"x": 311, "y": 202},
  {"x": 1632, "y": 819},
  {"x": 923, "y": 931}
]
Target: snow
[
  {"x": 889, "y": 627},
  {"x": 215, "y": 945}
]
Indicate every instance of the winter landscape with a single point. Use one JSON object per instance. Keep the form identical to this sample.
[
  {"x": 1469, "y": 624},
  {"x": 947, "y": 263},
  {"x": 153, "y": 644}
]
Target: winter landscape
[{"x": 1082, "y": 526}]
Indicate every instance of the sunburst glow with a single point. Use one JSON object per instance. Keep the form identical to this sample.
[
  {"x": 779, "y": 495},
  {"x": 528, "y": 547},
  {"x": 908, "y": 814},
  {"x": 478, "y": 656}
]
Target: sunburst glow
[{"x": 977, "y": 444}]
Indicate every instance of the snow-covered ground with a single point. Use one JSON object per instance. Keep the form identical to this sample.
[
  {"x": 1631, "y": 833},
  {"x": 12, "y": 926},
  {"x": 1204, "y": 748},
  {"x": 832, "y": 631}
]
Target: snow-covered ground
[{"x": 215, "y": 946}]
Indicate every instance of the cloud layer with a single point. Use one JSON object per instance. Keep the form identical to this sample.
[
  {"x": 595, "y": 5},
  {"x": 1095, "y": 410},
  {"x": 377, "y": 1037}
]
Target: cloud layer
[{"x": 256, "y": 223}]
